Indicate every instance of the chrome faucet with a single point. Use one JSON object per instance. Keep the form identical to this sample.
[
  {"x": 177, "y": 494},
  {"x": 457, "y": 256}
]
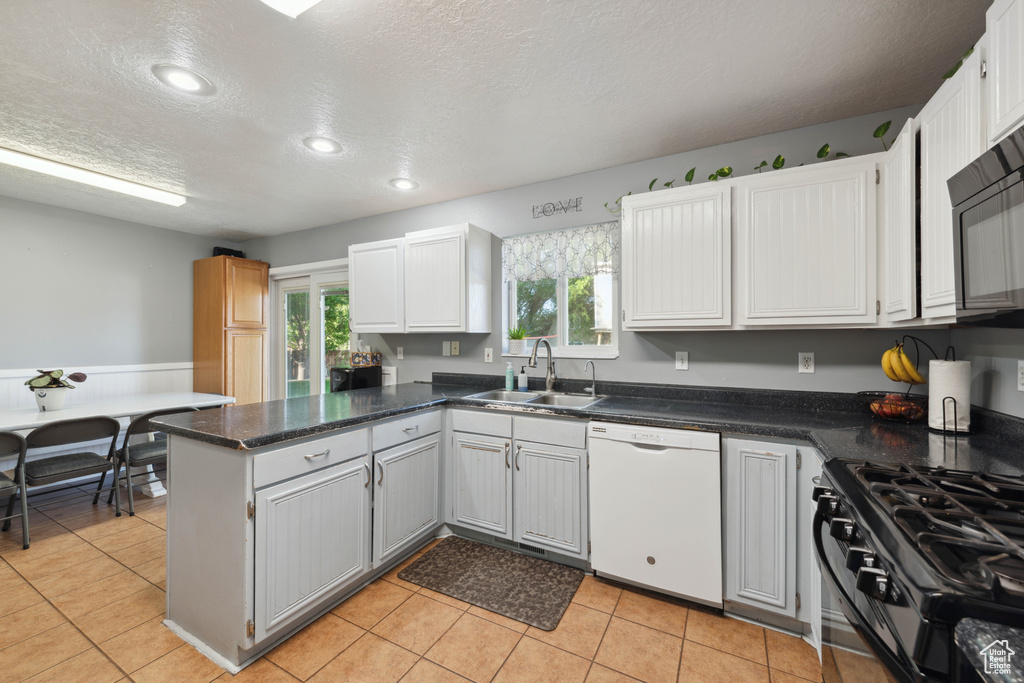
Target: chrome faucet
[
  {"x": 593, "y": 378},
  {"x": 549, "y": 378}
]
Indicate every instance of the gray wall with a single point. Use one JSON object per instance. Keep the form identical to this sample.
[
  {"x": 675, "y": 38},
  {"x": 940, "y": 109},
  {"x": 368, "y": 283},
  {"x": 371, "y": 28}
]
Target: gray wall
[
  {"x": 847, "y": 360},
  {"x": 993, "y": 354},
  {"x": 81, "y": 290}
]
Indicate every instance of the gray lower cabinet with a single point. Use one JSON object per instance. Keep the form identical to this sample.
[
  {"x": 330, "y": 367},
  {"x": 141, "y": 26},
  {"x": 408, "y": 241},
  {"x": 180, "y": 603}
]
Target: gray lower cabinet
[
  {"x": 531, "y": 489},
  {"x": 760, "y": 485},
  {"x": 406, "y": 497},
  {"x": 550, "y": 497},
  {"x": 482, "y": 486},
  {"x": 302, "y": 551}
]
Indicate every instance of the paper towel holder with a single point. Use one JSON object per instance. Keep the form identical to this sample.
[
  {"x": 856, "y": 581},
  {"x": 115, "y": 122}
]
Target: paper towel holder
[{"x": 945, "y": 430}]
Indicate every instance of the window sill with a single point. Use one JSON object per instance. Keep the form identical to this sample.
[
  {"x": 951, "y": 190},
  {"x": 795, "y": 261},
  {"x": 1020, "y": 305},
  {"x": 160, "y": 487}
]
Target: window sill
[{"x": 562, "y": 355}]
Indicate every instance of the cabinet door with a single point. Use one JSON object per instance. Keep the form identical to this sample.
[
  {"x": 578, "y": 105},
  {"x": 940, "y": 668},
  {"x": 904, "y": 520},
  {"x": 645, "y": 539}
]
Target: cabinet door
[
  {"x": 550, "y": 498},
  {"x": 482, "y": 473},
  {"x": 897, "y": 243},
  {"x": 806, "y": 245},
  {"x": 406, "y": 500},
  {"x": 951, "y": 138},
  {"x": 676, "y": 258},
  {"x": 245, "y": 365},
  {"x": 760, "y": 525},
  {"x": 376, "y": 286},
  {"x": 312, "y": 538},
  {"x": 1005, "y": 34},
  {"x": 247, "y": 300},
  {"x": 435, "y": 282}
]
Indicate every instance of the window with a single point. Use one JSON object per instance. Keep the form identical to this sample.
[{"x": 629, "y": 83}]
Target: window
[
  {"x": 310, "y": 340},
  {"x": 562, "y": 286}
]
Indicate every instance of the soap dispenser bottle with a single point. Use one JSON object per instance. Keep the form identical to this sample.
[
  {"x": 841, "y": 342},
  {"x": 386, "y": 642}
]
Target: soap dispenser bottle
[
  {"x": 510, "y": 377},
  {"x": 523, "y": 382}
]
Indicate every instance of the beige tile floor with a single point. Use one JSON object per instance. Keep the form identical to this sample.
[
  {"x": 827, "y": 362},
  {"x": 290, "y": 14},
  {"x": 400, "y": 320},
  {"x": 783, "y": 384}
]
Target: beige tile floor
[{"x": 85, "y": 603}]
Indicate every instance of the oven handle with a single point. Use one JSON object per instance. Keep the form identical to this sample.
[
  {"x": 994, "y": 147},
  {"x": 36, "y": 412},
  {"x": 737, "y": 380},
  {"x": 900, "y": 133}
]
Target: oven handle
[{"x": 895, "y": 665}]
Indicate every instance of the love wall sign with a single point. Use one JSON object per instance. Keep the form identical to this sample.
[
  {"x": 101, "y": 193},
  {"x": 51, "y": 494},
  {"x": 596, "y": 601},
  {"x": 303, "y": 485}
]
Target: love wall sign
[{"x": 552, "y": 208}]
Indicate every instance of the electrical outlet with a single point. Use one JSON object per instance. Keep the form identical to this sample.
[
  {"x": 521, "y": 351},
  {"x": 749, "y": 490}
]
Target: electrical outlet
[
  {"x": 400, "y": 352},
  {"x": 682, "y": 360},
  {"x": 805, "y": 362},
  {"x": 1020, "y": 375},
  {"x": 488, "y": 355},
  {"x": 446, "y": 348},
  {"x": 455, "y": 348}
]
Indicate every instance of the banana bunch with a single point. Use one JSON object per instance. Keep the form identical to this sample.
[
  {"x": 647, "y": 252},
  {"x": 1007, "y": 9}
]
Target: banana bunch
[{"x": 897, "y": 366}]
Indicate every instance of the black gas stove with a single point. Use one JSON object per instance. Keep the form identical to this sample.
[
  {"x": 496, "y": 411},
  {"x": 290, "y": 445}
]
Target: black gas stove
[{"x": 910, "y": 551}]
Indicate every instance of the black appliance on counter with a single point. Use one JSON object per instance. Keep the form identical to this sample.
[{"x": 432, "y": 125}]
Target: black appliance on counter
[
  {"x": 343, "y": 379},
  {"x": 988, "y": 236},
  {"x": 910, "y": 551}
]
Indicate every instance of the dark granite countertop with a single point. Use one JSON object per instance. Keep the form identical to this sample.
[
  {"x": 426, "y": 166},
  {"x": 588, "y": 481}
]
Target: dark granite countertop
[
  {"x": 834, "y": 424},
  {"x": 995, "y": 651}
]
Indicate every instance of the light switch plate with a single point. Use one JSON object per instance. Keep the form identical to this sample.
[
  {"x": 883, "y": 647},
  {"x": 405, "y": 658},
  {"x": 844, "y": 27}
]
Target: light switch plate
[
  {"x": 446, "y": 348},
  {"x": 1020, "y": 375},
  {"x": 488, "y": 355},
  {"x": 400, "y": 352},
  {"x": 805, "y": 362},
  {"x": 682, "y": 360},
  {"x": 455, "y": 348}
]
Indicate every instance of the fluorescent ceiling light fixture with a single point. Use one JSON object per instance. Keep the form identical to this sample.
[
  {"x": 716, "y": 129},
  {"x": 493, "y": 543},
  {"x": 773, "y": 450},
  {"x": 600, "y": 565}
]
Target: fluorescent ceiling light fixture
[
  {"x": 80, "y": 175},
  {"x": 292, "y": 8},
  {"x": 404, "y": 184},
  {"x": 322, "y": 145},
  {"x": 182, "y": 79}
]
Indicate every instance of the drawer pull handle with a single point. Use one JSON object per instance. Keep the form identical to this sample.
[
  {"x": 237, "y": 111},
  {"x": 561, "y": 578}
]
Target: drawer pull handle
[
  {"x": 519, "y": 449},
  {"x": 369, "y": 476},
  {"x": 380, "y": 482},
  {"x": 410, "y": 429},
  {"x": 327, "y": 451},
  {"x": 507, "y": 463}
]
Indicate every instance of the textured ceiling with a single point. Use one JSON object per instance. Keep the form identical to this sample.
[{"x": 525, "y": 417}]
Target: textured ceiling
[{"x": 464, "y": 96}]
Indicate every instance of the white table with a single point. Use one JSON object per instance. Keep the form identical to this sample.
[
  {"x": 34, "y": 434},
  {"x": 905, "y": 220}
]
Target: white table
[{"x": 121, "y": 408}]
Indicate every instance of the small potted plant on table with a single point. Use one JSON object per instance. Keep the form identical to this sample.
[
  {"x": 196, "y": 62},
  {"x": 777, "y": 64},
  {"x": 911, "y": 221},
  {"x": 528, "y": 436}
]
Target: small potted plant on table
[
  {"x": 51, "y": 387},
  {"x": 516, "y": 340}
]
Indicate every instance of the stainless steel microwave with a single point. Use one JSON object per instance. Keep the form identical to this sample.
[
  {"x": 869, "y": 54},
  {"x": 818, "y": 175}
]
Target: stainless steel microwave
[{"x": 988, "y": 235}]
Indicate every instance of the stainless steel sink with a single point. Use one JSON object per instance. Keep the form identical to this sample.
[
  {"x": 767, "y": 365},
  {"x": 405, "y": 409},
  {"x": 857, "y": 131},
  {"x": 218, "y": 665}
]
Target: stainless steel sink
[
  {"x": 566, "y": 400},
  {"x": 505, "y": 396}
]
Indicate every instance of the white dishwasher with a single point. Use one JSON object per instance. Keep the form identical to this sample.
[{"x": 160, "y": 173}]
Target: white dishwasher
[{"x": 656, "y": 509}]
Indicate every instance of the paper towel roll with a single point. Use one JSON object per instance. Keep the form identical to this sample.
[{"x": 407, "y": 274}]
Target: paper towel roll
[{"x": 949, "y": 378}]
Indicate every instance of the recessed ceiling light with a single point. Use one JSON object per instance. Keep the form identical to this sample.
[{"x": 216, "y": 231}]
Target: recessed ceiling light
[
  {"x": 182, "y": 79},
  {"x": 322, "y": 145},
  {"x": 80, "y": 175},
  {"x": 292, "y": 8},
  {"x": 404, "y": 184}
]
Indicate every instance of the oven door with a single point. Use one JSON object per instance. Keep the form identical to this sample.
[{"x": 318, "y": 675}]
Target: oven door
[{"x": 855, "y": 642}]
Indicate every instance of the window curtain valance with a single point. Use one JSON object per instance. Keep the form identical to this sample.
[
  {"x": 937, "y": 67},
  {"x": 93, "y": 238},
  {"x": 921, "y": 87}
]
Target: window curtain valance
[{"x": 574, "y": 252}]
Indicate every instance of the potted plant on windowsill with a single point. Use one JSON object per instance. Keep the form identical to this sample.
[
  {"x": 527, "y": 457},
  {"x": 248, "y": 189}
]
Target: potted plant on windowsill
[
  {"x": 51, "y": 387},
  {"x": 517, "y": 340}
]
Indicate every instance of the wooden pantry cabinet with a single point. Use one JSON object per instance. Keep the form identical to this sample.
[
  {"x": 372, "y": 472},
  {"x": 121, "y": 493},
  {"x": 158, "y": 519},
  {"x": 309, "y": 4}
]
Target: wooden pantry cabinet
[{"x": 229, "y": 334}]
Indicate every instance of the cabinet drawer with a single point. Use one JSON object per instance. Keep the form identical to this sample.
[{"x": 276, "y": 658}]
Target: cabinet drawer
[
  {"x": 291, "y": 461},
  {"x": 405, "y": 429},
  {"x": 570, "y": 433},
  {"x": 472, "y": 421}
]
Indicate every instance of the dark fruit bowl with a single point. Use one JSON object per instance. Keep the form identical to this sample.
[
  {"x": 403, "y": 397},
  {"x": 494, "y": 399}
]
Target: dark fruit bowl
[{"x": 896, "y": 406}]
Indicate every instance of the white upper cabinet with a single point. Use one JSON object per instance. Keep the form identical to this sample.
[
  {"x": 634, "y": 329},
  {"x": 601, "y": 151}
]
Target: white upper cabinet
[
  {"x": 376, "y": 285},
  {"x": 952, "y": 136},
  {"x": 448, "y": 280},
  {"x": 805, "y": 245},
  {"x": 897, "y": 228},
  {"x": 676, "y": 258},
  {"x": 1005, "y": 35}
]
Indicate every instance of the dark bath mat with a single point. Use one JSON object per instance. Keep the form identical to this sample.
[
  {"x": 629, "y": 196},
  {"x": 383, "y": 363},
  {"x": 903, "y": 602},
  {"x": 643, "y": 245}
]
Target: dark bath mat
[{"x": 527, "y": 589}]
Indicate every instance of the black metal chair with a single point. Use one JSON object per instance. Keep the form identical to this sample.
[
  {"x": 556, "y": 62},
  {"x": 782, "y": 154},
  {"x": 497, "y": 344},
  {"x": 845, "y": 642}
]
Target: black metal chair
[
  {"x": 11, "y": 443},
  {"x": 139, "y": 454},
  {"x": 57, "y": 468}
]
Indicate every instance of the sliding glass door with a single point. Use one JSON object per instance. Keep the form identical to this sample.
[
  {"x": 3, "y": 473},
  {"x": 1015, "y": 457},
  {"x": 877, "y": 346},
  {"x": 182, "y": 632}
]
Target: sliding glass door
[{"x": 312, "y": 335}]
